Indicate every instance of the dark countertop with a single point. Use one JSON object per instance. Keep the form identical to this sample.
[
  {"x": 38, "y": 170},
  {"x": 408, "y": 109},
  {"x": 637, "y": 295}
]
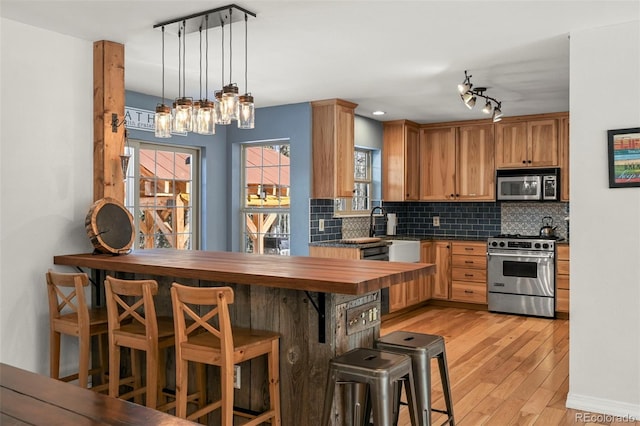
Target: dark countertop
[{"x": 386, "y": 238}]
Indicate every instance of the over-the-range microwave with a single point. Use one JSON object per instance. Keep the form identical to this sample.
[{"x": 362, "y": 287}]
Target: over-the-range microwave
[{"x": 528, "y": 185}]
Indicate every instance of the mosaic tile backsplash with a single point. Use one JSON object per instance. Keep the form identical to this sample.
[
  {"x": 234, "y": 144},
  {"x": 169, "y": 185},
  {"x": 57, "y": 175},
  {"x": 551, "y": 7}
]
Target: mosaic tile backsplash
[
  {"x": 457, "y": 220},
  {"x": 526, "y": 218}
]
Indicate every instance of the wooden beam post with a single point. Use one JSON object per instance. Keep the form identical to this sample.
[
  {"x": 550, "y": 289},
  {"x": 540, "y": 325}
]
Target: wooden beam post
[{"x": 108, "y": 98}]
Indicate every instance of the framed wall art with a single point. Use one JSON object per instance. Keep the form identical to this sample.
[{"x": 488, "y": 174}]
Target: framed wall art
[{"x": 624, "y": 157}]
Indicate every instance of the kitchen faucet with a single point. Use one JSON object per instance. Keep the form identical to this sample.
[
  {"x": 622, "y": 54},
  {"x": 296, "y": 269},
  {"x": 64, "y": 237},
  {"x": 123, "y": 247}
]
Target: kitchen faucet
[{"x": 372, "y": 228}]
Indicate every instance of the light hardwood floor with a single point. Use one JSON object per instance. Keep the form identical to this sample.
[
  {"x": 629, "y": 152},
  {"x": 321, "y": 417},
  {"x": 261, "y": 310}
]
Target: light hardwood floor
[{"x": 504, "y": 369}]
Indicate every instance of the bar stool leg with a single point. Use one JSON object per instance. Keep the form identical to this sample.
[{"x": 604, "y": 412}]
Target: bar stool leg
[
  {"x": 328, "y": 396},
  {"x": 358, "y": 404},
  {"x": 382, "y": 411},
  {"x": 446, "y": 387}
]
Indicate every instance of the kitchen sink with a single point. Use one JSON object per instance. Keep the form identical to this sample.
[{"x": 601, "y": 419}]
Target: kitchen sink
[{"x": 404, "y": 251}]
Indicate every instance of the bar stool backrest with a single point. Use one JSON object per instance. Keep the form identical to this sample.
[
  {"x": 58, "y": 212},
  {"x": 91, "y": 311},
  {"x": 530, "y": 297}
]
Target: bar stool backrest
[
  {"x": 67, "y": 297},
  {"x": 204, "y": 310},
  {"x": 131, "y": 301}
]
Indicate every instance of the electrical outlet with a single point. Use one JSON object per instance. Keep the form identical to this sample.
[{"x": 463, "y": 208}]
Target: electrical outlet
[
  {"x": 321, "y": 225},
  {"x": 236, "y": 376},
  {"x": 436, "y": 221}
]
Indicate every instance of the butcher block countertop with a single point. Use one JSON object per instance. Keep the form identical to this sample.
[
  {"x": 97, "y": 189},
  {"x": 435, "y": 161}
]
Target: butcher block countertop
[{"x": 342, "y": 276}]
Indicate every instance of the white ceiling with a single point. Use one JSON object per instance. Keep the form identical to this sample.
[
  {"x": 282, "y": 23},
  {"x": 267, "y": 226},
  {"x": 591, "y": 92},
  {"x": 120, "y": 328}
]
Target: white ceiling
[{"x": 402, "y": 57}]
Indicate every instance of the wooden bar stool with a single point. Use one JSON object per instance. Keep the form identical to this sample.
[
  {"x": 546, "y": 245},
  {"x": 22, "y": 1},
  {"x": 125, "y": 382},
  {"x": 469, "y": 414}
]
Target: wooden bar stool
[
  {"x": 212, "y": 342},
  {"x": 69, "y": 314},
  {"x": 132, "y": 301},
  {"x": 383, "y": 374},
  {"x": 422, "y": 348}
]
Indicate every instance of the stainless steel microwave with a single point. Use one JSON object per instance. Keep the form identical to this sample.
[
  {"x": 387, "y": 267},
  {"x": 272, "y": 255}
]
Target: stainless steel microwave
[{"x": 528, "y": 185}]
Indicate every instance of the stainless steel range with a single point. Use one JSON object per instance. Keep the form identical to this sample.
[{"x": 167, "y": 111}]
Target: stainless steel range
[{"x": 521, "y": 275}]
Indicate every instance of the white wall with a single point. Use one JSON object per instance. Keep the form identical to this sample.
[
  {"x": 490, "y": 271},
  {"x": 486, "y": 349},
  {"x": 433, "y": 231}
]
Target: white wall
[
  {"x": 604, "y": 369},
  {"x": 46, "y": 179}
]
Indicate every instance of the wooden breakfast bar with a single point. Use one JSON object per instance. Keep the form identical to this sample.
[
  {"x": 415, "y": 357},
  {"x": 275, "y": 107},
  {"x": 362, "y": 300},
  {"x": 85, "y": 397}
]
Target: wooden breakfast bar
[{"x": 321, "y": 307}]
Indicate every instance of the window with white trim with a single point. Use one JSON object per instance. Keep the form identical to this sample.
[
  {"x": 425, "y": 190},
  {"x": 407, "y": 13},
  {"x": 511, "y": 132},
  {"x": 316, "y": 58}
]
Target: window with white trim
[
  {"x": 362, "y": 186},
  {"x": 266, "y": 198},
  {"x": 161, "y": 192}
]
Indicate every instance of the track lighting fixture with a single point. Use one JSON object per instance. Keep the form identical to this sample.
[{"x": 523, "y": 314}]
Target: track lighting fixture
[
  {"x": 468, "y": 95},
  {"x": 202, "y": 115}
]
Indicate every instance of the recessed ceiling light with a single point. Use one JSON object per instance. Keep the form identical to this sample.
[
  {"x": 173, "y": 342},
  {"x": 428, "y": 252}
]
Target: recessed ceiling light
[{"x": 378, "y": 113}]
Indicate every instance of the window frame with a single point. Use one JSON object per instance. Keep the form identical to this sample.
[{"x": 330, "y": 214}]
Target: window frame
[{"x": 344, "y": 206}]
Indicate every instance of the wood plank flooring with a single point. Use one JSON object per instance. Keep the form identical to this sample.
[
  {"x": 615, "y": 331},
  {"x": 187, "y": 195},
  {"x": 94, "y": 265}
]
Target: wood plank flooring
[{"x": 504, "y": 369}]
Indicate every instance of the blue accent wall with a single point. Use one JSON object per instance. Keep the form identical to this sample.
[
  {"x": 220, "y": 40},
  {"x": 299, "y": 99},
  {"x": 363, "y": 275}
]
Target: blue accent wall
[{"x": 290, "y": 123}]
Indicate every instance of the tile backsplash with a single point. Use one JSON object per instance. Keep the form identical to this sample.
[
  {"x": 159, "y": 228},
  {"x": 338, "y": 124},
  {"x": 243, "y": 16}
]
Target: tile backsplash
[
  {"x": 457, "y": 220},
  {"x": 526, "y": 218}
]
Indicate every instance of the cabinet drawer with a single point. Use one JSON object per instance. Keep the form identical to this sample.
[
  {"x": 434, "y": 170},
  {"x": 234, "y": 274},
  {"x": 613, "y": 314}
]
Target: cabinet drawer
[
  {"x": 562, "y": 301},
  {"x": 563, "y": 251},
  {"x": 468, "y": 274},
  {"x": 562, "y": 281},
  {"x": 469, "y": 261},
  {"x": 469, "y": 292},
  {"x": 472, "y": 248},
  {"x": 563, "y": 267}
]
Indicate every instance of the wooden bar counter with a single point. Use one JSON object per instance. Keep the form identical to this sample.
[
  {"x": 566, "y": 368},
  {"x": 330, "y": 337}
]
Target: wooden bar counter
[{"x": 321, "y": 307}]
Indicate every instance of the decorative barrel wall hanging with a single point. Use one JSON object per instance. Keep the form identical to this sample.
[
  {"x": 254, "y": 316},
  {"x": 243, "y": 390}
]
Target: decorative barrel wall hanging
[{"x": 110, "y": 226}]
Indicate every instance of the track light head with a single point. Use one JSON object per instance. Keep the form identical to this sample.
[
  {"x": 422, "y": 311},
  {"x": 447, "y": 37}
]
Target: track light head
[
  {"x": 471, "y": 102},
  {"x": 497, "y": 114},
  {"x": 468, "y": 95},
  {"x": 487, "y": 108}
]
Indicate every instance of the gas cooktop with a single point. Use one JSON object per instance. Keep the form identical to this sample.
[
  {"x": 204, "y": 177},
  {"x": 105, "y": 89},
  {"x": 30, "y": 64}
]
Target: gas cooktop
[{"x": 527, "y": 237}]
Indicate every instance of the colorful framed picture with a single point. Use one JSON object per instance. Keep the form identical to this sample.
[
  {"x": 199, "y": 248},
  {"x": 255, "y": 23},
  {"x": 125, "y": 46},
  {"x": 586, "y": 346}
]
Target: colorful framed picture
[{"x": 624, "y": 157}]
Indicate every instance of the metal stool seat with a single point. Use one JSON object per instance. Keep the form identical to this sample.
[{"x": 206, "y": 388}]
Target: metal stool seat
[
  {"x": 382, "y": 373},
  {"x": 422, "y": 348}
]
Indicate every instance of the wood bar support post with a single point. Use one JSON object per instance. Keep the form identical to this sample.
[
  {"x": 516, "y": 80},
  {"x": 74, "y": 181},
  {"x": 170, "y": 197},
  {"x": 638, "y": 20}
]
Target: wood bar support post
[{"x": 108, "y": 99}]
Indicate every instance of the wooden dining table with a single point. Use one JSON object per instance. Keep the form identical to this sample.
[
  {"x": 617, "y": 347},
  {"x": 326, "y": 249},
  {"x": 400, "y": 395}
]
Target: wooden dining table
[{"x": 28, "y": 398}]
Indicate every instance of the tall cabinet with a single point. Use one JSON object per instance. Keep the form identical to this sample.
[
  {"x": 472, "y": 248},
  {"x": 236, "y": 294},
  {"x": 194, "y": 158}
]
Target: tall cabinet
[
  {"x": 332, "y": 148},
  {"x": 400, "y": 161},
  {"x": 457, "y": 163}
]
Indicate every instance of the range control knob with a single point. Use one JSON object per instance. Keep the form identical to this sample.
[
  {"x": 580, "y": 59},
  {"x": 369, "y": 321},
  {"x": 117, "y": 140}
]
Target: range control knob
[
  {"x": 545, "y": 246},
  {"x": 501, "y": 243},
  {"x": 494, "y": 244},
  {"x": 537, "y": 245}
]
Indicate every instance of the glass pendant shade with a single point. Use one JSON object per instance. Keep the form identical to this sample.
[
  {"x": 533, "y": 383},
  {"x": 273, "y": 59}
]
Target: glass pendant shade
[
  {"x": 184, "y": 109},
  {"x": 229, "y": 101},
  {"x": 222, "y": 114},
  {"x": 195, "y": 110},
  {"x": 206, "y": 122},
  {"x": 163, "y": 121},
  {"x": 246, "y": 112}
]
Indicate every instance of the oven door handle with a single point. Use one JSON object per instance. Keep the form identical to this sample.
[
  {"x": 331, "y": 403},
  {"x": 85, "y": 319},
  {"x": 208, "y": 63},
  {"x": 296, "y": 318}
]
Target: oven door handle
[{"x": 538, "y": 256}]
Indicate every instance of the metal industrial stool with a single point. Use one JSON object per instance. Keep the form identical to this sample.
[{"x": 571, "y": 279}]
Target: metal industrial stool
[
  {"x": 422, "y": 348},
  {"x": 382, "y": 373}
]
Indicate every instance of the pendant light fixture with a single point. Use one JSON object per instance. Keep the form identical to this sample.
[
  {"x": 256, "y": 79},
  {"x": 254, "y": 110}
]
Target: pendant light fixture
[
  {"x": 206, "y": 119},
  {"x": 468, "y": 95},
  {"x": 184, "y": 105},
  {"x": 162, "y": 121},
  {"x": 230, "y": 91},
  {"x": 202, "y": 116},
  {"x": 246, "y": 107}
]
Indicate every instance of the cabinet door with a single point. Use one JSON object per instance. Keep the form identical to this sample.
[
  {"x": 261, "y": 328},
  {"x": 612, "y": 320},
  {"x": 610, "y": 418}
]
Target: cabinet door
[
  {"x": 412, "y": 163},
  {"x": 344, "y": 151},
  {"x": 442, "y": 279},
  {"x": 426, "y": 256},
  {"x": 511, "y": 144},
  {"x": 413, "y": 292},
  {"x": 438, "y": 162},
  {"x": 475, "y": 169},
  {"x": 543, "y": 142},
  {"x": 397, "y": 296},
  {"x": 564, "y": 159}
]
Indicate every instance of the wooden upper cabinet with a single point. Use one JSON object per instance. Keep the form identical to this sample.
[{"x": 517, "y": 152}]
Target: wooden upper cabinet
[
  {"x": 458, "y": 163},
  {"x": 475, "y": 170},
  {"x": 527, "y": 143},
  {"x": 438, "y": 163},
  {"x": 332, "y": 148},
  {"x": 564, "y": 159},
  {"x": 400, "y": 161}
]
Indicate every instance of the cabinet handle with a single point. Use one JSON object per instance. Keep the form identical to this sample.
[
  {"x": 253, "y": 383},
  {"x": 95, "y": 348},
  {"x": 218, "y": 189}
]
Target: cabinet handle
[
  {"x": 469, "y": 248},
  {"x": 529, "y": 161},
  {"x": 468, "y": 291},
  {"x": 524, "y": 161},
  {"x": 468, "y": 275},
  {"x": 468, "y": 261}
]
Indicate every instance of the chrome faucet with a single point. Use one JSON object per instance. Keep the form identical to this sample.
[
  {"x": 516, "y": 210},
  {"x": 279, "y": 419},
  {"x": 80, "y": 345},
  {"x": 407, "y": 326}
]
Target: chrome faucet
[{"x": 372, "y": 228}]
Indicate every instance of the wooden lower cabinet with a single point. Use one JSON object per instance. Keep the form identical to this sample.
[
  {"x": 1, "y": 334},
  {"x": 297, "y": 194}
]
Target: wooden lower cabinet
[
  {"x": 413, "y": 292},
  {"x": 469, "y": 271},
  {"x": 562, "y": 279},
  {"x": 442, "y": 278}
]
